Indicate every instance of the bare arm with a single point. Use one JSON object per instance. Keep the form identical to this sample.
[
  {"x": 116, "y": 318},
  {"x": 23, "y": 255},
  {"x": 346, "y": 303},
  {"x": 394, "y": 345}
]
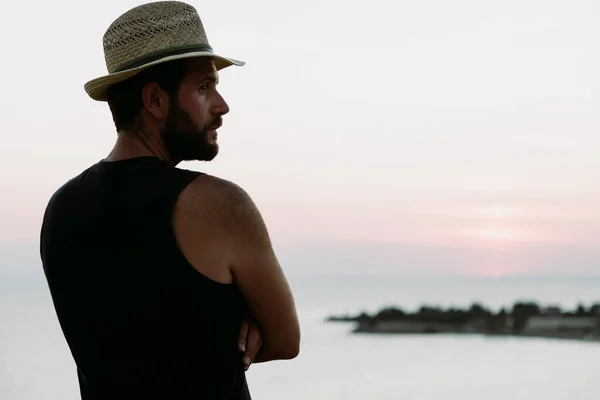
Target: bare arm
[
  {"x": 222, "y": 234},
  {"x": 259, "y": 276}
]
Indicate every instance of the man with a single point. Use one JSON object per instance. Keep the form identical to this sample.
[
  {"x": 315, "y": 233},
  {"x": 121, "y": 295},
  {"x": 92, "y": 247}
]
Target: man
[{"x": 164, "y": 280}]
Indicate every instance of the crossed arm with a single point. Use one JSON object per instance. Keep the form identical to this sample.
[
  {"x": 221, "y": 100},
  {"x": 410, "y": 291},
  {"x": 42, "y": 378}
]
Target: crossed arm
[
  {"x": 261, "y": 281},
  {"x": 222, "y": 217}
]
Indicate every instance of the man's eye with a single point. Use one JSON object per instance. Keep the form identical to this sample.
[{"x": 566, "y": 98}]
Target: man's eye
[{"x": 203, "y": 88}]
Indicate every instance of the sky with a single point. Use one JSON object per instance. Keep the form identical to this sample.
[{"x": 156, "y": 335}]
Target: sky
[{"x": 424, "y": 137}]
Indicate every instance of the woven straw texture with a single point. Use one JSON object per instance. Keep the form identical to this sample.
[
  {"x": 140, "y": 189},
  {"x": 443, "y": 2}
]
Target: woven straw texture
[
  {"x": 150, "y": 34},
  {"x": 150, "y": 28}
]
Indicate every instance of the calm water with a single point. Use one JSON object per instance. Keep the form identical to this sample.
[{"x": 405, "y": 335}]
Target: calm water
[{"x": 35, "y": 362}]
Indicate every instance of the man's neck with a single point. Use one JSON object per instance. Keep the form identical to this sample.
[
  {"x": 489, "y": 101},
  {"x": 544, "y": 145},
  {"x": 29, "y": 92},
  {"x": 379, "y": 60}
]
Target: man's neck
[{"x": 131, "y": 145}]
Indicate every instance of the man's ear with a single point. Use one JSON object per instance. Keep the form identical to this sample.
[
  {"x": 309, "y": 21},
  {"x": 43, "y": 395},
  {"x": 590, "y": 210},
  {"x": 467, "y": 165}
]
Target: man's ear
[{"x": 155, "y": 100}]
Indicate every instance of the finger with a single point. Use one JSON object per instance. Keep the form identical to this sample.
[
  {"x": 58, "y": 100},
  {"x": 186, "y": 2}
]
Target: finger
[
  {"x": 242, "y": 338},
  {"x": 253, "y": 344}
]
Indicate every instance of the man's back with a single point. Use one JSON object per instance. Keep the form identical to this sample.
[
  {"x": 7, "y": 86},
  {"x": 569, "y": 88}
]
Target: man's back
[{"x": 140, "y": 320}]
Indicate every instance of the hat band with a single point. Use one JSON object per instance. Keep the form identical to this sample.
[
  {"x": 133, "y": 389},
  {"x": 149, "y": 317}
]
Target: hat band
[{"x": 157, "y": 55}]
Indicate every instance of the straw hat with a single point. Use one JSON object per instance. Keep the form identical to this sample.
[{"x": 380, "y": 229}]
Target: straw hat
[{"x": 151, "y": 34}]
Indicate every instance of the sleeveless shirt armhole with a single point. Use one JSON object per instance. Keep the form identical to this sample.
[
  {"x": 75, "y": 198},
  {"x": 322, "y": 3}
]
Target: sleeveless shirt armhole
[{"x": 169, "y": 204}]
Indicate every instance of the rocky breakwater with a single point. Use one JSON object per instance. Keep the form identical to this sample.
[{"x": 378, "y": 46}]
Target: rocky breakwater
[{"x": 522, "y": 319}]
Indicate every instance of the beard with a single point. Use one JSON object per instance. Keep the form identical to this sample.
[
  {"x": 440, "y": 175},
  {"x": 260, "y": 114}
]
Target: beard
[{"x": 187, "y": 141}]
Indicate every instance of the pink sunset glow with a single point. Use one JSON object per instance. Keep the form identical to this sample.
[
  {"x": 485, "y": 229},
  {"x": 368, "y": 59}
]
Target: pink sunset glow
[{"x": 465, "y": 143}]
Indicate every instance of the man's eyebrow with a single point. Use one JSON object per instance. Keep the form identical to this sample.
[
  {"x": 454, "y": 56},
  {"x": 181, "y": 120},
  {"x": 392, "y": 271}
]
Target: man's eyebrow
[{"x": 209, "y": 76}]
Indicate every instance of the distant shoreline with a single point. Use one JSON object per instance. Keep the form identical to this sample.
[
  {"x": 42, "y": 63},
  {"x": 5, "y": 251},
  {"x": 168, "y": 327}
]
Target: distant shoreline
[{"x": 523, "y": 320}]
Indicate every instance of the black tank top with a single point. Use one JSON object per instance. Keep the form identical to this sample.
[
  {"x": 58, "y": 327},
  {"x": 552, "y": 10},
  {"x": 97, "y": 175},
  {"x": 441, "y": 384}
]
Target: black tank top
[{"x": 140, "y": 321}]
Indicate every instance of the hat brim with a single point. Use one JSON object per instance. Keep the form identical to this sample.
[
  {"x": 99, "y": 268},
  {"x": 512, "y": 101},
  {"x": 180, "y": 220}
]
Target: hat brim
[{"x": 96, "y": 88}]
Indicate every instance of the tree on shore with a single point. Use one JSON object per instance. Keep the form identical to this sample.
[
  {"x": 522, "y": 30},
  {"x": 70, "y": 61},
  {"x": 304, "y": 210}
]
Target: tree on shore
[
  {"x": 521, "y": 312},
  {"x": 390, "y": 314},
  {"x": 581, "y": 311}
]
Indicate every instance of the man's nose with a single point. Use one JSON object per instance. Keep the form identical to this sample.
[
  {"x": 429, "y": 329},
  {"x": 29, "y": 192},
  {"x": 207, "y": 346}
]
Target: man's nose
[{"x": 220, "y": 106}]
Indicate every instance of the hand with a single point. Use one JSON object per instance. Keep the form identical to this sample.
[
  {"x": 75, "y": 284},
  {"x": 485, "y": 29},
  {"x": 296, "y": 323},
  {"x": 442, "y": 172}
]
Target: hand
[{"x": 249, "y": 341}]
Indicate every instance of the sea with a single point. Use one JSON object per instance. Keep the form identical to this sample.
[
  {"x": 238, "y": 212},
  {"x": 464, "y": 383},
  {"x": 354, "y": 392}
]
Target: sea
[{"x": 35, "y": 362}]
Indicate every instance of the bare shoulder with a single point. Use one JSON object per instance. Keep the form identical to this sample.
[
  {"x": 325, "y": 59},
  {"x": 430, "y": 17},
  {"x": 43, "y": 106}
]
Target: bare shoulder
[
  {"x": 215, "y": 220},
  {"x": 211, "y": 197},
  {"x": 208, "y": 218}
]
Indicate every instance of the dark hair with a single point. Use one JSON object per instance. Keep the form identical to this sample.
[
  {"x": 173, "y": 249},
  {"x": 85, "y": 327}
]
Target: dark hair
[{"x": 125, "y": 98}]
